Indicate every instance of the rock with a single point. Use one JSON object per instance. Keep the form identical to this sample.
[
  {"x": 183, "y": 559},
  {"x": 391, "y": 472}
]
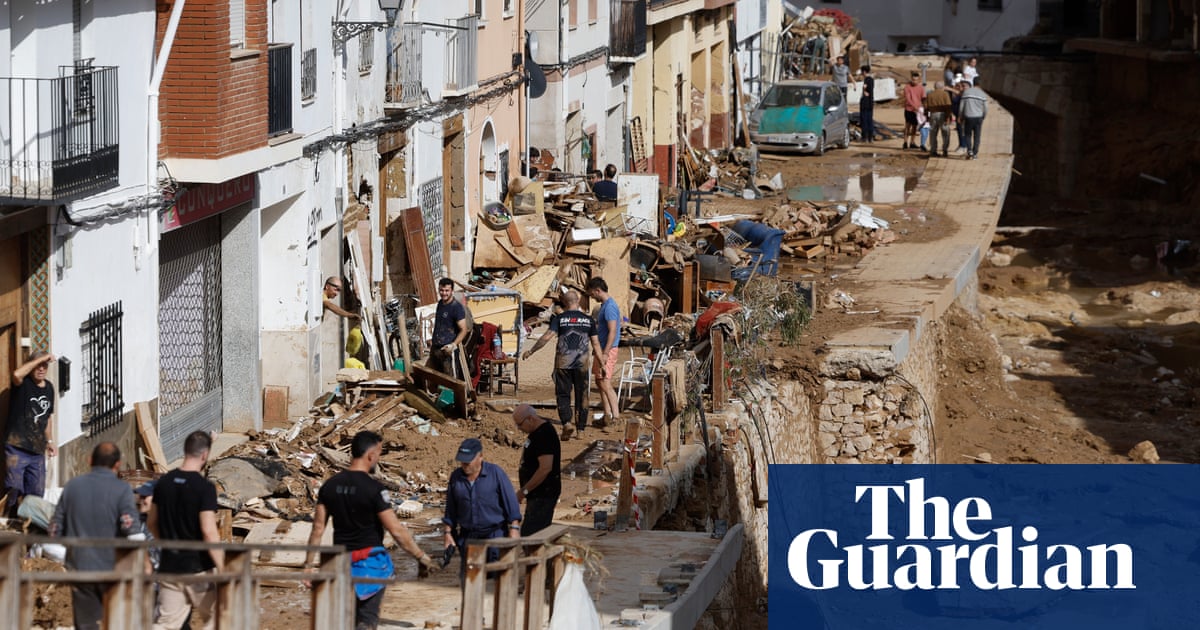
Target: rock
[
  {"x": 241, "y": 479},
  {"x": 984, "y": 457},
  {"x": 854, "y": 374},
  {"x": 1144, "y": 452},
  {"x": 1139, "y": 263},
  {"x": 998, "y": 259}
]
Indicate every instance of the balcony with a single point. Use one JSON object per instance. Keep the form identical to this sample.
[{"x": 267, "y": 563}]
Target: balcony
[
  {"x": 627, "y": 30},
  {"x": 457, "y": 65},
  {"x": 59, "y": 137},
  {"x": 279, "y": 89}
]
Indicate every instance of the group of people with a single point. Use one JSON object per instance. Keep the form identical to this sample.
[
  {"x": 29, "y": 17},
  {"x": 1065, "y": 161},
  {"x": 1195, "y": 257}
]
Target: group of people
[{"x": 959, "y": 101}]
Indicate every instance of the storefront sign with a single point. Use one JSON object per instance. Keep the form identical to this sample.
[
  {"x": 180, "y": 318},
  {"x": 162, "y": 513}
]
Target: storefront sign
[{"x": 207, "y": 200}]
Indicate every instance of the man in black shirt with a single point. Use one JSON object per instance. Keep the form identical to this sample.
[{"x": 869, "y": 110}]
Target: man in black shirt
[
  {"x": 540, "y": 474},
  {"x": 30, "y": 433},
  {"x": 449, "y": 331},
  {"x": 576, "y": 332},
  {"x": 361, "y": 510},
  {"x": 185, "y": 508}
]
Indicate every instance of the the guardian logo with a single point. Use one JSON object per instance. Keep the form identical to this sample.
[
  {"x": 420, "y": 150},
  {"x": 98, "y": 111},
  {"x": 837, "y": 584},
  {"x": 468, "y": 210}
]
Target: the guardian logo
[{"x": 949, "y": 546}]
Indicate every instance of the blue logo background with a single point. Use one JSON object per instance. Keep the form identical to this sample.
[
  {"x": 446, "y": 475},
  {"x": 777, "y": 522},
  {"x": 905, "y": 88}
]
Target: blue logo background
[{"x": 1153, "y": 509}]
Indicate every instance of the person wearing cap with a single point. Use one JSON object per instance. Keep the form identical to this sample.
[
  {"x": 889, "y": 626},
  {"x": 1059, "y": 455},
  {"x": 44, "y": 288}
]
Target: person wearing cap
[
  {"x": 480, "y": 502},
  {"x": 540, "y": 474},
  {"x": 94, "y": 505},
  {"x": 29, "y": 434},
  {"x": 576, "y": 334},
  {"x": 144, "y": 498},
  {"x": 361, "y": 509}
]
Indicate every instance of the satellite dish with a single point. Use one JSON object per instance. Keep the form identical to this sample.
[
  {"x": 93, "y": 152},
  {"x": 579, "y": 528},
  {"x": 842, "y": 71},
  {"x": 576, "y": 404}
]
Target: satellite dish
[{"x": 533, "y": 72}]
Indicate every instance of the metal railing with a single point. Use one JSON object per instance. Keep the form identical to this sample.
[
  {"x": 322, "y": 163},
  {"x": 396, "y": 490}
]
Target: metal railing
[
  {"x": 462, "y": 55},
  {"x": 59, "y": 137},
  {"x": 129, "y": 603},
  {"x": 627, "y": 30},
  {"x": 103, "y": 400},
  {"x": 404, "y": 65},
  {"x": 527, "y": 560},
  {"x": 308, "y": 74},
  {"x": 279, "y": 89}
]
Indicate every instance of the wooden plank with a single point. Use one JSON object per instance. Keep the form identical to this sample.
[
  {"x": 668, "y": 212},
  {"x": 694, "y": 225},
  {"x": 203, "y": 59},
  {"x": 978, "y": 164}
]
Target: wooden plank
[
  {"x": 502, "y": 241},
  {"x": 535, "y": 287},
  {"x": 613, "y": 254},
  {"x": 275, "y": 403},
  {"x": 625, "y": 489},
  {"x": 150, "y": 436},
  {"x": 718, "y": 369},
  {"x": 280, "y": 532},
  {"x": 418, "y": 254},
  {"x": 424, "y": 376},
  {"x": 514, "y": 234},
  {"x": 658, "y": 411}
]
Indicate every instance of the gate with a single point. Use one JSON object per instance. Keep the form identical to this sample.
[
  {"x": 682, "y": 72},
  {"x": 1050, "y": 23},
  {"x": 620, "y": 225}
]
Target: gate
[{"x": 189, "y": 334}]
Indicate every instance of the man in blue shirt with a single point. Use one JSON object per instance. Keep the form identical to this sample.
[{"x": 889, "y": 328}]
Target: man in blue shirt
[
  {"x": 449, "y": 330},
  {"x": 608, "y": 330},
  {"x": 480, "y": 502}
]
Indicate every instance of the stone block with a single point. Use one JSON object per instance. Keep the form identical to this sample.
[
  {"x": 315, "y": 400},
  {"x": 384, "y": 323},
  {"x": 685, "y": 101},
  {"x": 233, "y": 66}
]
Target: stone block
[
  {"x": 825, "y": 412},
  {"x": 848, "y": 448},
  {"x": 853, "y": 429},
  {"x": 842, "y": 410},
  {"x": 862, "y": 443},
  {"x": 832, "y": 451},
  {"x": 873, "y": 402},
  {"x": 853, "y": 396},
  {"x": 829, "y": 426},
  {"x": 826, "y": 440}
]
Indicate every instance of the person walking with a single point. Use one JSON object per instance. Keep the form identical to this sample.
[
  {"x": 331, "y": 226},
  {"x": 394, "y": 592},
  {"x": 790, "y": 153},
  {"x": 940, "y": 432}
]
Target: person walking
[
  {"x": 941, "y": 116},
  {"x": 973, "y": 109},
  {"x": 576, "y": 333},
  {"x": 361, "y": 509},
  {"x": 866, "y": 106},
  {"x": 449, "y": 331},
  {"x": 608, "y": 330},
  {"x": 480, "y": 503},
  {"x": 914, "y": 99},
  {"x": 96, "y": 504},
  {"x": 841, "y": 74},
  {"x": 29, "y": 436},
  {"x": 540, "y": 474},
  {"x": 185, "y": 508}
]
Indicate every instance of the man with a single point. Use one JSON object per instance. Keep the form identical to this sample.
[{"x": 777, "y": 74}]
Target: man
[
  {"x": 866, "y": 106},
  {"x": 333, "y": 287},
  {"x": 914, "y": 98},
  {"x": 480, "y": 502},
  {"x": 540, "y": 474},
  {"x": 941, "y": 115},
  {"x": 608, "y": 329},
  {"x": 973, "y": 108},
  {"x": 30, "y": 433},
  {"x": 361, "y": 510},
  {"x": 576, "y": 331},
  {"x": 94, "y": 505},
  {"x": 185, "y": 508},
  {"x": 606, "y": 189},
  {"x": 841, "y": 74},
  {"x": 144, "y": 498},
  {"x": 449, "y": 330}
]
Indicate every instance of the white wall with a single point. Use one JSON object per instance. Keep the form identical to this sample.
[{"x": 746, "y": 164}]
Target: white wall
[
  {"x": 959, "y": 24},
  {"x": 105, "y": 267},
  {"x": 987, "y": 29}
]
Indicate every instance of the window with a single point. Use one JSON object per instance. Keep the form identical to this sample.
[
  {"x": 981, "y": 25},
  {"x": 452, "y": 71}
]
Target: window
[
  {"x": 366, "y": 50},
  {"x": 103, "y": 399},
  {"x": 479, "y": 9},
  {"x": 991, "y": 5},
  {"x": 508, "y": 8},
  {"x": 593, "y": 11},
  {"x": 308, "y": 75},
  {"x": 572, "y": 13},
  {"x": 237, "y": 23}
]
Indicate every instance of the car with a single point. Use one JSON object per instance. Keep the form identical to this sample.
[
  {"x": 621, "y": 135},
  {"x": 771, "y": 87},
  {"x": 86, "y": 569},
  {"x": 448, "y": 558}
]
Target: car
[{"x": 801, "y": 116}]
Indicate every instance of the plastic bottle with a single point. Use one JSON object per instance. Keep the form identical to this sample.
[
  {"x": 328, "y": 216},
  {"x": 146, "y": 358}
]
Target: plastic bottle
[{"x": 497, "y": 350}]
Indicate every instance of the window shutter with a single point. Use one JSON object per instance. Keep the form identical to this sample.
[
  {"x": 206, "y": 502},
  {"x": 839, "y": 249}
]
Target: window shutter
[{"x": 237, "y": 23}]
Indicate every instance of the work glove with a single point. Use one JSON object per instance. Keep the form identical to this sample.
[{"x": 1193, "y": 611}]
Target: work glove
[
  {"x": 448, "y": 348},
  {"x": 427, "y": 567}
]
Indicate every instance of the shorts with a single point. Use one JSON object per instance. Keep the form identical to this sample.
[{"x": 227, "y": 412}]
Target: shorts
[
  {"x": 610, "y": 363},
  {"x": 910, "y": 118}
]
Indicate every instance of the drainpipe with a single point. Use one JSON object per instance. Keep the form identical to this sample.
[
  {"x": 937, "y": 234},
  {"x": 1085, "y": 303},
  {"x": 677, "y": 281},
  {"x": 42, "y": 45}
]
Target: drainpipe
[
  {"x": 564, "y": 14},
  {"x": 152, "y": 122}
]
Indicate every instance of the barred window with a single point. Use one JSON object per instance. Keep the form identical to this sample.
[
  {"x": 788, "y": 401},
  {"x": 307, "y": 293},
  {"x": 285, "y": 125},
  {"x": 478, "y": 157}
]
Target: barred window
[
  {"x": 366, "y": 50},
  {"x": 308, "y": 75},
  {"x": 103, "y": 397}
]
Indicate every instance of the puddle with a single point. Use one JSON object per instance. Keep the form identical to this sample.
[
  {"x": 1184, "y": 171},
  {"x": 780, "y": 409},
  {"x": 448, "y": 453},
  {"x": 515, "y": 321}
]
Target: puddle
[{"x": 867, "y": 188}]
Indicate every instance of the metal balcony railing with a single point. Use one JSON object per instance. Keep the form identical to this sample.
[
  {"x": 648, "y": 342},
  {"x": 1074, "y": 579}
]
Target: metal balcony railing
[
  {"x": 279, "y": 89},
  {"x": 59, "y": 137},
  {"x": 462, "y": 56},
  {"x": 627, "y": 30},
  {"x": 404, "y": 65}
]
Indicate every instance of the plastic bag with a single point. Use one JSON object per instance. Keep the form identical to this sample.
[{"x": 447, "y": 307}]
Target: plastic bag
[{"x": 573, "y": 606}]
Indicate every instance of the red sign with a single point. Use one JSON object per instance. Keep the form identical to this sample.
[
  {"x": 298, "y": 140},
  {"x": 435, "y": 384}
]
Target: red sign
[{"x": 207, "y": 200}]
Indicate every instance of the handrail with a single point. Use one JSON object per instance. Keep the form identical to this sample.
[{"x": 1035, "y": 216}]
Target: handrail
[{"x": 528, "y": 558}]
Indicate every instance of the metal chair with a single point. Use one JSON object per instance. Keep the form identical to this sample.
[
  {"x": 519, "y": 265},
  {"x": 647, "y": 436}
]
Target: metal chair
[{"x": 638, "y": 371}]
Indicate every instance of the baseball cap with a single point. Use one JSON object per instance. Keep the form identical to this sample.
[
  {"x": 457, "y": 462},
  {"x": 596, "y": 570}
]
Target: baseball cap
[
  {"x": 467, "y": 451},
  {"x": 146, "y": 489}
]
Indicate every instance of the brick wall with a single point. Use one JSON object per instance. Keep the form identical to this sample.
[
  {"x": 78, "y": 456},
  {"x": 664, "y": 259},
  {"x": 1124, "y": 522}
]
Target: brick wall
[{"x": 210, "y": 104}]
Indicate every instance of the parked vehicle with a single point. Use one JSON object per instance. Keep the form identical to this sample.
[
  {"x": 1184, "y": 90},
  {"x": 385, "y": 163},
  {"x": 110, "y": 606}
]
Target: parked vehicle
[{"x": 802, "y": 116}]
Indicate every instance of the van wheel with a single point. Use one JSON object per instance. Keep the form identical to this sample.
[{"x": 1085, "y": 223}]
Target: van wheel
[{"x": 820, "y": 150}]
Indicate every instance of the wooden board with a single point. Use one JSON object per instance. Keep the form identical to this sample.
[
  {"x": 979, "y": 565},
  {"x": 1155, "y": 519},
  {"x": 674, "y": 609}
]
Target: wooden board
[
  {"x": 424, "y": 377},
  {"x": 275, "y": 403},
  {"x": 535, "y": 286},
  {"x": 280, "y": 532},
  {"x": 613, "y": 255},
  {"x": 150, "y": 436},
  {"x": 418, "y": 254}
]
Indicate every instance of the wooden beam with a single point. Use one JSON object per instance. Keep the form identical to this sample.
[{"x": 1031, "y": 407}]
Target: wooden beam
[
  {"x": 625, "y": 489},
  {"x": 658, "y": 410},
  {"x": 718, "y": 369},
  {"x": 150, "y": 435},
  {"x": 424, "y": 376}
]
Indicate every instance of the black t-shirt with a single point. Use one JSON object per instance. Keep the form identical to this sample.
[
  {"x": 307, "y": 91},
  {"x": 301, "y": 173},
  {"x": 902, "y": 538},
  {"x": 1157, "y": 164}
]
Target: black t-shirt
[
  {"x": 575, "y": 330},
  {"x": 542, "y": 441},
  {"x": 445, "y": 321},
  {"x": 179, "y": 498},
  {"x": 354, "y": 500},
  {"x": 29, "y": 412}
]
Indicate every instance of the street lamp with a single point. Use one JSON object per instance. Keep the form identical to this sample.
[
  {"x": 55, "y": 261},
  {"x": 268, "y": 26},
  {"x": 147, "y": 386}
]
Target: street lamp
[{"x": 346, "y": 31}]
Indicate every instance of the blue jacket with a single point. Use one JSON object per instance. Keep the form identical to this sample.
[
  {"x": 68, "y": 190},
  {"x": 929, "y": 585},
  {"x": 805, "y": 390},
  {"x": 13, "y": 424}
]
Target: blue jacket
[{"x": 488, "y": 504}]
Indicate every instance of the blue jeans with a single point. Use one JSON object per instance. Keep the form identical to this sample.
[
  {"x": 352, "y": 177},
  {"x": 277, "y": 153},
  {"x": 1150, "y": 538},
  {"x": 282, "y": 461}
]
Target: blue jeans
[
  {"x": 971, "y": 129},
  {"x": 26, "y": 474},
  {"x": 866, "y": 120}
]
